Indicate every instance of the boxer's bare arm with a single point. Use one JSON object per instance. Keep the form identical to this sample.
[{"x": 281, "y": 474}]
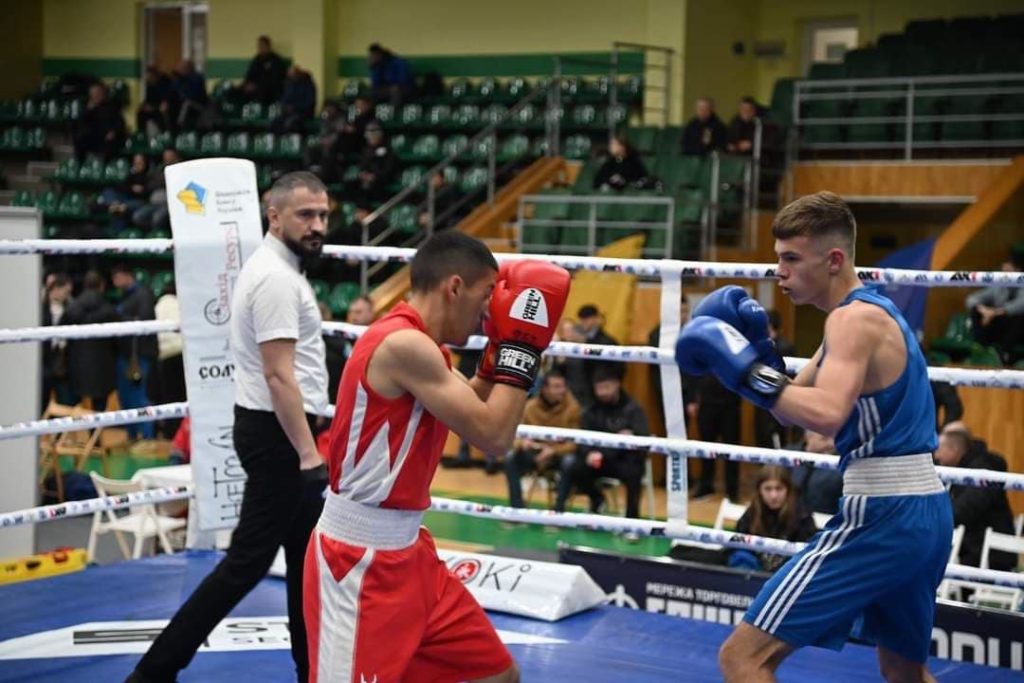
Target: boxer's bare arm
[
  {"x": 409, "y": 361},
  {"x": 851, "y": 335}
]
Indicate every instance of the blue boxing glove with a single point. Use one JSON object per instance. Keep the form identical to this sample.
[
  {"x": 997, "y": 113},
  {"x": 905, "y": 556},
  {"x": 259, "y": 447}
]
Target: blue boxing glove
[
  {"x": 731, "y": 304},
  {"x": 707, "y": 344}
]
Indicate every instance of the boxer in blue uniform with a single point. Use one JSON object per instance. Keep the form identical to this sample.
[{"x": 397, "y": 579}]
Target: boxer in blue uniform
[{"x": 873, "y": 571}]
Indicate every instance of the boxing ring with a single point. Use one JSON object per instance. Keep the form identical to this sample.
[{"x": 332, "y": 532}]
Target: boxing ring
[{"x": 68, "y": 627}]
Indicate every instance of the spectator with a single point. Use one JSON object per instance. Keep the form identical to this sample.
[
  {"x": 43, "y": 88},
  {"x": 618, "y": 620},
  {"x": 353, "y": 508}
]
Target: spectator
[
  {"x": 976, "y": 508},
  {"x": 948, "y": 407},
  {"x": 705, "y": 132},
  {"x": 353, "y": 133},
  {"x": 135, "y": 355},
  {"x": 743, "y": 128},
  {"x": 154, "y": 215},
  {"x": 820, "y": 489},
  {"x": 128, "y": 197},
  {"x": 55, "y": 352},
  {"x": 378, "y": 168},
  {"x": 615, "y": 412},
  {"x": 718, "y": 419},
  {"x": 297, "y": 103},
  {"x": 170, "y": 369},
  {"x": 264, "y": 79},
  {"x": 997, "y": 314},
  {"x": 447, "y": 211},
  {"x": 553, "y": 406},
  {"x": 91, "y": 362},
  {"x": 574, "y": 369},
  {"x": 591, "y": 324},
  {"x": 190, "y": 94},
  {"x": 100, "y": 131},
  {"x": 768, "y": 433},
  {"x": 775, "y": 512},
  {"x": 181, "y": 444},
  {"x": 390, "y": 76},
  {"x": 159, "y": 109},
  {"x": 622, "y": 169}
]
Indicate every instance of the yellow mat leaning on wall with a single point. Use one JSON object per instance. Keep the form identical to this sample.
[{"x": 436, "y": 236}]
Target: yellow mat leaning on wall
[{"x": 612, "y": 293}]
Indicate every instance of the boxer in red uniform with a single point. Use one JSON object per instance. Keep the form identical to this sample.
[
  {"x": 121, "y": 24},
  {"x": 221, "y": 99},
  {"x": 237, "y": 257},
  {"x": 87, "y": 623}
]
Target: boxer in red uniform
[{"x": 380, "y": 606}]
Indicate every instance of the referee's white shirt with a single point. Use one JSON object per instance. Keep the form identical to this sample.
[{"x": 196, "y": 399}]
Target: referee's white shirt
[{"x": 273, "y": 300}]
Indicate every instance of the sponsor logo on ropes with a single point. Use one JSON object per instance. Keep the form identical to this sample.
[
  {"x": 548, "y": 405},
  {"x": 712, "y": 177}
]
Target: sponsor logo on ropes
[
  {"x": 492, "y": 574},
  {"x": 530, "y": 307},
  {"x": 963, "y": 276},
  {"x": 465, "y": 570},
  {"x": 193, "y": 198},
  {"x": 869, "y": 275}
]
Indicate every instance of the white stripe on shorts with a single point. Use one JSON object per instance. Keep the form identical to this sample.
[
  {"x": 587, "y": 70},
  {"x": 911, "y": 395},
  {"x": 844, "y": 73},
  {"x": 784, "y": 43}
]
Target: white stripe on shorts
[
  {"x": 782, "y": 600},
  {"x": 339, "y": 617}
]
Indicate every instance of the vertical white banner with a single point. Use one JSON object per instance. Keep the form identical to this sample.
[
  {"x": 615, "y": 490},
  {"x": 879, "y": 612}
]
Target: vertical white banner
[{"x": 215, "y": 220}]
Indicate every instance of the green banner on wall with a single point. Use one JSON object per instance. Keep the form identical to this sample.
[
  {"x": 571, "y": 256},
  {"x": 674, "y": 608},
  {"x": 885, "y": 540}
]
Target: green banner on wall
[{"x": 532, "y": 64}]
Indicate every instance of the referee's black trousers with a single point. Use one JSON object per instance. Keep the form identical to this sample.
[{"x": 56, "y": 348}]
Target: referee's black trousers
[{"x": 278, "y": 509}]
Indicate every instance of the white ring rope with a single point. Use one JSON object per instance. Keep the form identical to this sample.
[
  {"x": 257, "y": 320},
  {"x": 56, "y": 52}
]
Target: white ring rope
[
  {"x": 644, "y": 267},
  {"x": 575, "y": 520},
  {"x": 652, "y": 355},
  {"x": 707, "y": 450}
]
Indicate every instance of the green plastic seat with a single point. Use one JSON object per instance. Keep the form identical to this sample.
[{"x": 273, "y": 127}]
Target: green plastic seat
[
  {"x": 493, "y": 113},
  {"x": 454, "y": 144},
  {"x": 73, "y": 205},
  {"x": 466, "y": 116},
  {"x": 237, "y": 145},
  {"x": 252, "y": 113},
  {"x": 577, "y": 147},
  {"x": 473, "y": 179},
  {"x": 23, "y": 198},
  {"x": 67, "y": 170},
  {"x": 412, "y": 176},
  {"x": 411, "y": 115},
  {"x": 160, "y": 281},
  {"x": 290, "y": 146},
  {"x": 439, "y": 115},
  {"x": 513, "y": 147},
  {"x": 212, "y": 144},
  {"x": 321, "y": 289},
  {"x": 385, "y": 114},
  {"x": 264, "y": 145},
  {"x": 187, "y": 144},
  {"x": 480, "y": 149},
  {"x": 116, "y": 171},
  {"x": 426, "y": 148},
  {"x": 404, "y": 218}
]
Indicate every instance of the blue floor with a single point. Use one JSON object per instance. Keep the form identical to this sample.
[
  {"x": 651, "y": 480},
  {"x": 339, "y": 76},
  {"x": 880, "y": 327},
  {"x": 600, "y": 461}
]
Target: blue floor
[{"x": 607, "y": 644}]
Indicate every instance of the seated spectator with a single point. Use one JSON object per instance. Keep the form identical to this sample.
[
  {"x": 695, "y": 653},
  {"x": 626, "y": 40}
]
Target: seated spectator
[
  {"x": 100, "y": 131},
  {"x": 154, "y": 213},
  {"x": 190, "y": 93},
  {"x": 768, "y": 432},
  {"x": 390, "y": 76},
  {"x": 446, "y": 210},
  {"x": 718, "y": 419},
  {"x": 297, "y": 103},
  {"x": 775, "y": 512},
  {"x": 378, "y": 168},
  {"x": 264, "y": 79},
  {"x": 704, "y": 133},
  {"x": 574, "y": 369},
  {"x": 622, "y": 169},
  {"x": 352, "y": 137},
  {"x": 123, "y": 200},
  {"x": 553, "y": 406},
  {"x": 820, "y": 489},
  {"x": 976, "y": 508},
  {"x": 91, "y": 362},
  {"x": 57, "y": 295},
  {"x": 743, "y": 128},
  {"x": 136, "y": 356},
  {"x": 181, "y": 444},
  {"x": 158, "y": 110},
  {"x": 613, "y": 411},
  {"x": 997, "y": 314},
  {"x": 591, "y": 324}
]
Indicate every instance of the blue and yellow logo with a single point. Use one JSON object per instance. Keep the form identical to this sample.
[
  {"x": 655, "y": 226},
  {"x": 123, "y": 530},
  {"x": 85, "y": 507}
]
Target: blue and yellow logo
[{"x": 194, "y": 198}]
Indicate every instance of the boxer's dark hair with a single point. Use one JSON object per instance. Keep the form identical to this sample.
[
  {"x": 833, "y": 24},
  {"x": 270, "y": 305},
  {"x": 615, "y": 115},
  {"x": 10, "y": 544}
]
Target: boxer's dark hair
[
  {"x": 450, "y": 253},
  {"x": 823, "y": 214}
]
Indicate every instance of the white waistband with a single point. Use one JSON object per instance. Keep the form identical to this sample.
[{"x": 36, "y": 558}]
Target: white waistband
[
  {"x": 367, "y": 526},
  {"x": 904, "y": 475}
]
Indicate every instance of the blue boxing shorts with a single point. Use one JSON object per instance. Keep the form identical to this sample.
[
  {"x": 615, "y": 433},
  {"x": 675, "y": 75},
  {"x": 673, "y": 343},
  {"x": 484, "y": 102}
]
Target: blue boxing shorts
[{"x": 872, "y": 573}]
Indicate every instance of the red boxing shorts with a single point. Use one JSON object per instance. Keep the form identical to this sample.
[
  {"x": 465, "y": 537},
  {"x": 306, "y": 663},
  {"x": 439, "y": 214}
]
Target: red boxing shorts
[{"x": 375, "y": 614}]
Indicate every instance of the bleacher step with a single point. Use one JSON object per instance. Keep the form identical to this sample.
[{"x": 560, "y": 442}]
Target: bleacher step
[
  {"x": 25, "y": 182},
  {"x": 62, "y": 152},
  {"x": 42, "y": 169}
]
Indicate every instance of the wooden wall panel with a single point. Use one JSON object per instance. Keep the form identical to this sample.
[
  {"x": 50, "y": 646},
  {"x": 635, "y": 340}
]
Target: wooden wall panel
[
  {"x": 997, "y": 416},
  {"x": 886, "y": 181}
]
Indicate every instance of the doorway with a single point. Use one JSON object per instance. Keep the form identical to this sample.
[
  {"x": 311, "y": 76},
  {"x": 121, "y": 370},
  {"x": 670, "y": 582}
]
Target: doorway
[
  {"x": 828, "y": 41},
  {"x": 173, "y": 31}
]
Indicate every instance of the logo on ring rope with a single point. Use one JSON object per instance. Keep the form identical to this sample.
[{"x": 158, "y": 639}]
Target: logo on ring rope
[{"x": 466, "y": 570}]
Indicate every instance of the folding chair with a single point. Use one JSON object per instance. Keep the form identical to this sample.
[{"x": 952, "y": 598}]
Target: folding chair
[
  {"x": 142, "y": 521},
  {"x": 949, "y": 589},
  {"x": 999, "y": 596},
  {"x": 820, "y": 518},
  {"x": 79, "y": 444},
  {"x": 729, "y": 511}
]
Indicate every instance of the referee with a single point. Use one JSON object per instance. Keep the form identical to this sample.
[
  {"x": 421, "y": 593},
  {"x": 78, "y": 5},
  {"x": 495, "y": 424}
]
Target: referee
[{"x": 280, "y": 388}]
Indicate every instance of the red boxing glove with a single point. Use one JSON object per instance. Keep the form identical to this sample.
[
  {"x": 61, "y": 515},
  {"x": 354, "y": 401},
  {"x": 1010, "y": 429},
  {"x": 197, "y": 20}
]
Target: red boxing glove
[{"x": 525, "y": 309}]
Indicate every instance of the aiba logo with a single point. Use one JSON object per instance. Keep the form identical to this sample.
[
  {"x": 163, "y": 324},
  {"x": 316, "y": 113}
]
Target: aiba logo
[
  {"x": 465, "y": 570},
  {"x": 194, "y": 198}
]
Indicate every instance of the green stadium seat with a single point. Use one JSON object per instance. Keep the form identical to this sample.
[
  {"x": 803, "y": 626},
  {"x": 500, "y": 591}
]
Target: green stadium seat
[
  {"x": 352, "y": 89},
  {"x": 866, "y": 63},
  {"x": 116, "y": 171},
  {"x": 130, "y": 234},
  {"x": 513, "y": 147},
  {"x": 643, "y": 139},
  {"x": 439, "y": 115},
  {"x": 136, "y": 143},
  {"x": 91, "y": 171},
  {"x": 187, "y": 144},
  {"x": 67, "y": 170},
  {"x": 264, "y": 145},
  {"x": 212, "y": 144},
  {"x": 492, "y": 113},
  {"x": 524, "y": 117},
  {"x": 964, "y": 130},
  {"x": 594, "y": 91},
  {"x": 515, "y": 90},
  {"x": 732, "y": 171},
  {"x": 451, "y": 175},
  {"x": 23, "y": 198},
  {"x": 412, "y": 176},
  {"x": 481, "y": 149},
  {"x": 682, "y": 171},
  {"x": 631, "y": 89},
  {"x": 426, "y": 148},
  {"x": 404, "y": 218},
  {"x": 690, "y": 206},
  {"x": 341, "y": 296},
  {"x": 321, "y": 289},
  {"x": 585, "y": 115},
  {"x": 273, "y": 111},
  {"x": 156, "y": 144},
  {"x": 473, "y": 179},
  {"x": 411, "y": 115},
  {"x": 252, "y": 113},
  {"x": 160, "y": 281},
  {"x": 486, "y": 89},
  {"x": 73, "y": 205},
  {"x": 615, "y": 115},
  {"x": 385, "y": 114},
  {"x": 821, "y": 71},
  {"x": 577, "y": 147},
  {"x": 584, "y": 182},
  {"x": 454, "y": 145},
  {"x": 35, "y": 139},
  {"x": 460, "y": 89},
  {"x": 237, "y": 145},
  {"x": 466, "y": 116},
  {"x": 539, "y": 146},
  {"x": 290, "y": 146},
  {"x": 351, "y": 174},
  {"x": 264, "y": 176},
  {"x": 348, "y": 212}
]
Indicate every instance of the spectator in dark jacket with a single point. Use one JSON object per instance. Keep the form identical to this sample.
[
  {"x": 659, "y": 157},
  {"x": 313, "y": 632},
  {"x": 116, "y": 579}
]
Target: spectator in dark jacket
[
  {"x": 264, "y": 79},
  {"x": 976, "y": 508},
  {"x": 91, "y": 362},
  {"x": 775, "y": 512},
  {"x": 190, "y": 93},
  {"x": 55, "y": 352},
  {"x": 591, "y": 324},
  {"x": 743, "y": 128},
  {"x": 820, "y": 489},
  {"x": 135, "y": 355},
  {"x": 705, "y": 132},
  {"x": 124, "y": 199},
  {"x": 622, "y": 169},
  {"x": 297, "y": 103},
  {"x": 390, "y": 76},
  {"x": 378, "y": 167},
  {"x": 100, "y": 131},
  {"x": 574, "y": 369},
  {"x": 154, "y": 213},
  {"x": 159, "y": 109},
  {"x": 997, "y": 314},
  {"x": 948, "y": 407},
  {"x": 613, "y": 411}
]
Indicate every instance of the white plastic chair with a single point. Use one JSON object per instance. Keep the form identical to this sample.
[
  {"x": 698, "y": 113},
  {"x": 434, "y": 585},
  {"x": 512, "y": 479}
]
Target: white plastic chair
[
  {"x": 729, "y": 511},
  {"x": 999, "y": 596},
  {"x": 821, "y": 519},
  {"x": 1018, "y": 524},
  {"x": 142, "y": 521},
  {"x": 949, "y": 589}
]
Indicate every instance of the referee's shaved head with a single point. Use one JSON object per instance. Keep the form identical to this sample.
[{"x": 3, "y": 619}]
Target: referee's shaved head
[{"x": 288, "y": 183}]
